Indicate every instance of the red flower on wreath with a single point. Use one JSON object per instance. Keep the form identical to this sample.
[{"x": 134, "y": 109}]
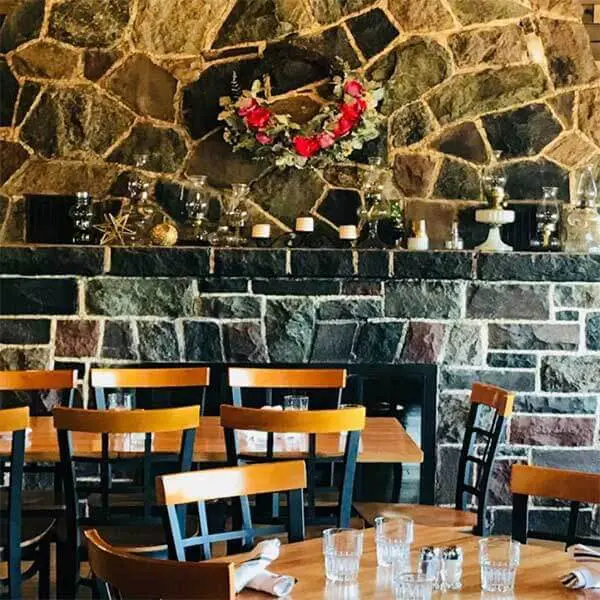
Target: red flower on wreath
[
  {"x": 325, "y": 139},
  {"x": 354, "y": 110},
  {"x": 247, "y": 106},
  {"x": 306, "y": 146},
  {"x": 258, "y": 118},
  {"x": 263, "y": 138},
  {"x": 354, "y": 88},
  {"x": 343, "y": 127}
]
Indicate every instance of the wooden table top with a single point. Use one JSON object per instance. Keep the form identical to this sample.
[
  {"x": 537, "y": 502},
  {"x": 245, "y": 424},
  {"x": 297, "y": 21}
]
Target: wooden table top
[
  {"x": 384, "y": 440},
  {"x": 537, "y": 577}
]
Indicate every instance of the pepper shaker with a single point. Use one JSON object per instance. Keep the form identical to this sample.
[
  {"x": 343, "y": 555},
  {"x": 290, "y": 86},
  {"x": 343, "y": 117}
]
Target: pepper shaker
[
  {"x": 430, "y": 564},
  {"x": 452, "y": 567}
]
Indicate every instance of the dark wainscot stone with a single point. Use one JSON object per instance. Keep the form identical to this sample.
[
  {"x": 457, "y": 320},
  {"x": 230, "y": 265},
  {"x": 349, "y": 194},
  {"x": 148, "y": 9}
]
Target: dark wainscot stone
[
  {"x": 77, "y": 338},
  {"x": 423, "y": 299},
  {"x": 61, "y": 260},
  {"x": 592, "y": 331},
  {"x": 507, "y": 301},
  {"x": 378, "y": 342},
  {"x": 322, "y": 263},
  {"x": 423, "y": 343},
  {"x": 463, "y": 379},
  {"x": 552, "y": 431},
  {"x": 525, "y": 336},
  {"x": 202, "y": 342},
  {"x": 157, "y": 341},
  {"x": 38, "y": 296},
  {"x": 568, "y": 405},
  {"x": 374, "y": 263},
  {"x": 333, "y": 342},
  {"x": 433, "y": 265},
  {"x": 159, "y": 262},
  {"x": 118, "y": 341},
  {"x": 24, "y": 331},
  {"x": 538, "y": 267},
  {"x": 296, "y": 287},
  {"x": 249, "y": 263},
  {"x": 225, "y": 285},
  {"x": 228, "y": 307},
  {"x": 577, "y": 459},
  {"x": 349, "y": 309},
  {"x": 289, "y": 327},
  {"x": 571, "y": 374},
  {"x": 244, "y": 343},
  {"x": 502, "y": 360}
]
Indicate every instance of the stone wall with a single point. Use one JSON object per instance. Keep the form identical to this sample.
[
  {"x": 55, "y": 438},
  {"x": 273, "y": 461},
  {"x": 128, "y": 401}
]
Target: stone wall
[
  {"x": 87, "y": 84},
  {"x": 527, "y": 322}
]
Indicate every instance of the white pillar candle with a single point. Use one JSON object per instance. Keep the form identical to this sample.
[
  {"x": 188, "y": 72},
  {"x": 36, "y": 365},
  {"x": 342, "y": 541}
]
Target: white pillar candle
[
  {"x": 261, "y": 231},
  {"x": 348, "y": 232},
  {"x": 305, "y": 224}
]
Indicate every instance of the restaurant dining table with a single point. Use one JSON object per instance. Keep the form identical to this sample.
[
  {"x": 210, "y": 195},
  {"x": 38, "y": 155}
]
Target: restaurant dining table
[
  {"x": 538, "y": 576},
  {"x": 384, "y": 440}
]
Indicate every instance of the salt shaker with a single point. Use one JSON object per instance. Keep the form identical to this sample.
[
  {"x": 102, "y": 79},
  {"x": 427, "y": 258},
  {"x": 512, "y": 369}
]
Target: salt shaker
[
  {"x": 430, "y": 564},
  {"x": 452, "y": 567}
]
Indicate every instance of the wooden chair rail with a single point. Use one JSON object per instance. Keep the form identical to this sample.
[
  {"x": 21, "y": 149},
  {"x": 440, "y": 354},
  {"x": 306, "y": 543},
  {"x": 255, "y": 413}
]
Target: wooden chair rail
[
  {"x": 287, "y": 378},
  {"x": 230, "y": 482},
  {"x": 150, "y": 378},
  {"x": 293, "y": 421},
  {"x": 139, "y": 577},
  {"x": 129, "y": 421},
  {"x": 494, "y": 397},
  {"x": 37, "y": 380},
  {"x": 543, "y": 482},
  {"x": 14, "y": 419}
]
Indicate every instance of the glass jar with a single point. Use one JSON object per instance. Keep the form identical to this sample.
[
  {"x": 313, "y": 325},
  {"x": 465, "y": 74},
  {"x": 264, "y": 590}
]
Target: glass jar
[
  {"x": 375, "y": 208},
  {"x": 196, "y": 208},
  {"x": 234, "y": 213},
  {"x": 581, "y": 230},
  {"x": 82, "y": 215},
  {"x": 547, "y": 217}
]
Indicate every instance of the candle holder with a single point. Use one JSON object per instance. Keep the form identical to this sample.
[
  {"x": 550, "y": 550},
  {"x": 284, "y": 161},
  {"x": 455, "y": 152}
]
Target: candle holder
[
  {"x": 232, "y": 218},
  {"x": 374, "y": 209}
]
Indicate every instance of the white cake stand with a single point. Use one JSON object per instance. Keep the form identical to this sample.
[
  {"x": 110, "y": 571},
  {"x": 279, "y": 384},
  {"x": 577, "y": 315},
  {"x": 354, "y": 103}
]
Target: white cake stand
[{"x": 495, "y": 218}]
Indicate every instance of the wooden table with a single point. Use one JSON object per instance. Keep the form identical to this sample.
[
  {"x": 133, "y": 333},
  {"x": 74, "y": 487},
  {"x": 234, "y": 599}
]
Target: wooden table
[
  {"x": 537, "y": 577},
  {"x": 384, "y": 440}
]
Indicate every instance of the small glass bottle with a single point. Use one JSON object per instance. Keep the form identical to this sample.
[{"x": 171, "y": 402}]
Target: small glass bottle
[
  {"x": 375, "y": 208},
  {"x": 82, "y": 215},
  {"x": 419, "y": 240},
  {"x": 455, "y": 242},
  {"x": 581, "y": 229},
  {"x": 547, "y": 217}
]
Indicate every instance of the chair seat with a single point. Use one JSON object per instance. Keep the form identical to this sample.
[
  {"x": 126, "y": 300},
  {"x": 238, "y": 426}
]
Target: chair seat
[
  {"x": 421, "y": 514},
  {"x": 33, "y": 531},
  {"x": 117, "y": 500},
  {"x": 35, "y": 503}
]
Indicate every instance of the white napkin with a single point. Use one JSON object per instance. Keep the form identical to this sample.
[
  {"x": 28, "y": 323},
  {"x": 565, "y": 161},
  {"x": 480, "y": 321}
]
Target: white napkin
[
  {"x": 253, "y": 572},
  {"x": 587, "y": 577}
]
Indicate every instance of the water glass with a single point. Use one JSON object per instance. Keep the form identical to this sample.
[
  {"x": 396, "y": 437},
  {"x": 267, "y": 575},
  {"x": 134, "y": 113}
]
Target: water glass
[
  {"x": 499, "y": 558},
  {"x": 119, "y": 400},
  {"x": 393, "y": 538},
  {"x": 295, "y": 402},
  {"x": 342, "y": 549},
  {"x": 414, "y": 586}
]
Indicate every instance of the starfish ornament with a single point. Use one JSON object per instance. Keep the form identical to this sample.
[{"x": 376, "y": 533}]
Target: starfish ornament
[{"x": 114, "y": 229}]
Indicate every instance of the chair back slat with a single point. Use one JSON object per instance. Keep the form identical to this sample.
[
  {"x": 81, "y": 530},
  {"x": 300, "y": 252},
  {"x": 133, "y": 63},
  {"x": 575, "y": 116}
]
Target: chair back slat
[
  {"x": 37, "y": 380},
  {"x": 139, "y": 577},
  {"x": 293, "y": 421},
  {"x": 494, "y": 397},
  {"x": 543, "y": 482},
  {"x": 150, "y": 378},
  {"x": 229, "y": 482},
  {"x": 14, "y": 419},
  {"x": 287, "y": 378},
  {"x": 128, "y": 421}
]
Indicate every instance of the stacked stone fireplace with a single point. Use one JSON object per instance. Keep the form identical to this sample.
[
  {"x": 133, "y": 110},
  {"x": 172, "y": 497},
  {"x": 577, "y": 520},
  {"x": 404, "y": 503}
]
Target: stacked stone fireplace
[{"x": 527, "y": 322}]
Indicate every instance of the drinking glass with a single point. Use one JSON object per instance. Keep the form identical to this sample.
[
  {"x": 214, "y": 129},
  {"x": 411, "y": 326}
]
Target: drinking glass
[
  {"x": 413, "y": 586},
  {"x": 342, "y": 549},
  {"x": 295, "y": 402},
  {"x": 393, "y": 538},
  {"x": 119, "y": 400},
  {"x": 499, "y": 558}
]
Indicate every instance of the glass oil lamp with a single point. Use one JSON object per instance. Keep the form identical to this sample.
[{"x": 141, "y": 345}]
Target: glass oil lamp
[
  {"x": 581, "y": 229},
  {"x": 547, "y": 217},
  {"x": 82, "y": 215},
  {"x": 375, "y": 208},
  {"x": 196, "y": 208},
  {"x": 234, "y": 213}
]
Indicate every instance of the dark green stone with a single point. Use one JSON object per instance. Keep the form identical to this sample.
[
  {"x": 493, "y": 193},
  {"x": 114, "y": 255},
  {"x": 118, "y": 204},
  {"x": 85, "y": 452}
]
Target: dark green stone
[
  {"x": 377, "y": 343},
  {"x": 571, "y": 374},
  {"x": 568, "y": 405},
  {"x": 423, "y": 299},
  {"x": 41, "y": 296},
  {"x": 157, "y": 341},
  {"x": 228, "y": 307},
  {"x": 165, "y": 147},
  {"x": 231, "y": 262},
  {"x": 457, "y": 181},
  {"x": 542, "y": 336},
  {"x": 321, "y": 263},
  {"x": 118, "y": 341},
  {"x": 341, "y": 207},
  {"x": 202, "y": 342},
  {"x": 519, "y": 301},
  {"x": 244, "y": 343},
  {"x": 350, "y": 309},
  {"x": 23, "y": 23},
  {"x": 289, "y": 326},
  {"x": 89, "y": 23},
  {"x": 463, "y": 379},
  {"x": 592, "y": 331},
  {"x": 409, "y": 70},
  {"x": 411, "y": 124},
  {"x": 24, "y": 331},
  {"x": 333, "y": 342},
  {"x": 159, "y": 262},
  {"x": 522, "y": 132},
  {"x": 481, "y": 11},
  {"x": 372, "y": 32},
  {"x": 10, "y": 90},
  {"x": 433, "y": 265},
  {"x": 39, "y": 260},
  {"x": 471, "y": 94},
  {"x": 29, "y": 92},
  {"x": 567, "y": 315}
]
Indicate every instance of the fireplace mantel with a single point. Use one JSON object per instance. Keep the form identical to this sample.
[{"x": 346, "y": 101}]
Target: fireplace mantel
[{"x": 527, "y": 322}]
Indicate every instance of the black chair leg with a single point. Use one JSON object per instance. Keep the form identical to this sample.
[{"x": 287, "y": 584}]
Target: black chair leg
[
  {"x": 397, "y": 487},
  {"x": 44, "y": 570},
  {"x": 67, "y": 572},
  {"x": 14, "y": 576}
]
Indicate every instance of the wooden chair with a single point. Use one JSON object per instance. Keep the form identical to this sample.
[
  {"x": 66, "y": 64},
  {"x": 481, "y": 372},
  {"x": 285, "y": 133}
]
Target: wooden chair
[
  {"x": 125, "y": 575},
  {"x": 152, "y": 379},
  {"x": 573, "y": 486},
  {"x": 237, "y": 483},
  {"x": 22, "y": 539},
  {"x": 469, "y": 483},
  {"x": 350, "y": 421},
  {"x": 291, "y": 379},
  {"x": 107, "y": 424}
]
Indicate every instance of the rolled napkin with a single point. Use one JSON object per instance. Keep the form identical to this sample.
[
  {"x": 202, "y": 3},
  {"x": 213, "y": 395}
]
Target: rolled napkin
[
  {"x": 253, "y": 572},
  {"x": 585, "y": 577}
]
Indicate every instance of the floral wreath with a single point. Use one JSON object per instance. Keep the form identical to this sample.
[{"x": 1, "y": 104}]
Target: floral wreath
[{"x": 336, "y": 131}]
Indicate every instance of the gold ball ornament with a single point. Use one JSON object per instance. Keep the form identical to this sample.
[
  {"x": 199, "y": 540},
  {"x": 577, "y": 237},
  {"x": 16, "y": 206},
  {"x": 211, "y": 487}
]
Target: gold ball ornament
[{"x": 163, "y": 234}]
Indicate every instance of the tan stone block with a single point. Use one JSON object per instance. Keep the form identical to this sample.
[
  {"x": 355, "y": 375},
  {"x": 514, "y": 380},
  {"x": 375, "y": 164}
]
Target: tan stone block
[
  {"x": 589, "y": 115},
  {"x": 178, "y": 26},
  {"x": 566, "y": 8},
  {"x": 421, "y": 15},
  {"x": 414, "y": 173},
  {"x": 570, "y": 150},
  {"x": 46, "y": 59},
  {"x": 438, "y": 215}
]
